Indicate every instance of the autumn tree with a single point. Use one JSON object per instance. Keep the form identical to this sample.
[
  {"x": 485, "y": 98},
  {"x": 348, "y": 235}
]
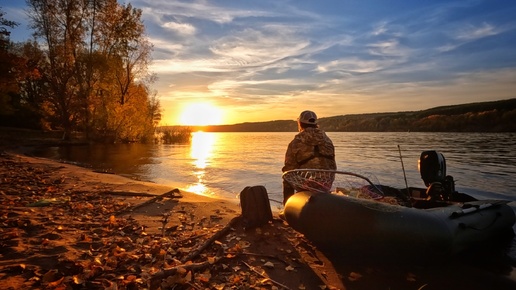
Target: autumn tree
[
  {"x": 60, "y": 25},
  {"x": 14, "y": 69},
  {"x": 33, "y": 87},
  {"x": 97, "y": 72},
  {"x": 8, "y": 67},
  {"x": 119, "y": 39}
]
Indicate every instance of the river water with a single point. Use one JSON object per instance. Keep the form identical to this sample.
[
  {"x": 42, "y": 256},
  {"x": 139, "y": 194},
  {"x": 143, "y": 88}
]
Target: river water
[{"x": 222, "y": 164}]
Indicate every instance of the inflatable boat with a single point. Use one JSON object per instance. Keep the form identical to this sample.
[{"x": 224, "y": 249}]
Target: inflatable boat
[{"x": 366, "y": 217}]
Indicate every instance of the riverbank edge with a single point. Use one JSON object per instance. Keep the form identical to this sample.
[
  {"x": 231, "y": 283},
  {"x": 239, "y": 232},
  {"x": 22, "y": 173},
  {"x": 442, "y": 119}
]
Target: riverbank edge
[{"x": 149, "y": 204}]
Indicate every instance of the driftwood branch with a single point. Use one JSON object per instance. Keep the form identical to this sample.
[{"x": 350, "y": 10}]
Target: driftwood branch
[
  {"x": 127, "y": 193},
  {"x": 170, "y": 194},
  {"x": 213, "y": 238}
]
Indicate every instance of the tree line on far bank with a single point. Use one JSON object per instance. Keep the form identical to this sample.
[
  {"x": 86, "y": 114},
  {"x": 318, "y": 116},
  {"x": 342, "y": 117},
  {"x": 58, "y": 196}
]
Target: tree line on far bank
[
  {"x": 86, "y": 70},
  {"x": 496, "y": 116}
]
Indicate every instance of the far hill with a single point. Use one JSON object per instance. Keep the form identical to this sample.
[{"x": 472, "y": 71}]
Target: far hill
[{"x": 496, "y": 116}]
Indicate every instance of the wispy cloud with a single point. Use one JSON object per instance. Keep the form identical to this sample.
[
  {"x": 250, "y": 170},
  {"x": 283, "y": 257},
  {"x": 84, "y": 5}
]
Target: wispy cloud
[
  {"x": 280, "y": 56},
  {"x": 181, "y": 28},
  {"x": 251, "y": 47},
  {"x": 472, "y": 32}
]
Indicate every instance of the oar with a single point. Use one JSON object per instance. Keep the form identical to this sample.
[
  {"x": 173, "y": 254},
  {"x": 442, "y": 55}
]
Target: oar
[{"x": 475, "y": 208}]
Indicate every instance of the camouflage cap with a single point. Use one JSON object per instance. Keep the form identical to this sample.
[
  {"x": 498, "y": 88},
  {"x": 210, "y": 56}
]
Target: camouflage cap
[{"x": 308, "y": 117}]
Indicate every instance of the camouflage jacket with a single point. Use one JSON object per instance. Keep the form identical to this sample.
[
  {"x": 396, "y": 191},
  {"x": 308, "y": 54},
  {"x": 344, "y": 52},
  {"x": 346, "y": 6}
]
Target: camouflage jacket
[{"x": 311, "y": 148}]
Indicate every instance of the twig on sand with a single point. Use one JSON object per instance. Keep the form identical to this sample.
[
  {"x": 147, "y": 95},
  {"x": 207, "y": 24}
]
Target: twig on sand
[
  {"x": 264, "y": 256},
  {"x": 266, "y": 277},
  {"x": 158, "y": 276},
  {"x": 170, "y": 194},
  {"x": 208, "y": 242},
  {"x": 127, "y": 193},
  {"x": 179, "y": 242}
]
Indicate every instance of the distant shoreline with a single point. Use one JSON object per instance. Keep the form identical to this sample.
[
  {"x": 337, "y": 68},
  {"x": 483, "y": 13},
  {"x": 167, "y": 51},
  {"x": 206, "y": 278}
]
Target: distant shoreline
[
  {"x": 496, "y": 116},
  {"x": 486, "y": 117}
]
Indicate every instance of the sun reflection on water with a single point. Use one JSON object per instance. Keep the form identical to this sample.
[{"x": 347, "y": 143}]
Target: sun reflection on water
[{"x": 201, "y": 151}]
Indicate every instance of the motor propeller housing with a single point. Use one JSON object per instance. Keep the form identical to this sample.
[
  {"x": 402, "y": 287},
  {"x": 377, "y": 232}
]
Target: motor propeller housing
[{"x": 432, "y": 167}]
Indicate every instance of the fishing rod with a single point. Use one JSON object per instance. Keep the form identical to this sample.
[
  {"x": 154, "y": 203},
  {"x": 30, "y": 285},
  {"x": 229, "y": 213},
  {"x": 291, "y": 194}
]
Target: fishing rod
[{"x": 403, "y": 168}]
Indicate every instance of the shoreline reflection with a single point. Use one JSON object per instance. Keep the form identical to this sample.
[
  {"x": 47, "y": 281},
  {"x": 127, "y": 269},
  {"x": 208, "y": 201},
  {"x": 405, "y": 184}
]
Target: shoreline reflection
[{"x": 201, "y": 150}]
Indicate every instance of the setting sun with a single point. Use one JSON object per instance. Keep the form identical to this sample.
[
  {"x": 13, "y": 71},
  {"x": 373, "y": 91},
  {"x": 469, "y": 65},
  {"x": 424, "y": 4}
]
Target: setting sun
[{"x": 201, "y": 114}]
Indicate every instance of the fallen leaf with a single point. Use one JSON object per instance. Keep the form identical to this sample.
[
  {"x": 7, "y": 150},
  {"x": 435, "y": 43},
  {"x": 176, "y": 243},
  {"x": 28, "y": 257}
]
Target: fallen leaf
[
  {"x": 244, "y": 244},
  {"x": 78, "y": 279},
  {"x": 411, "y": 277},
  {"x": 49, "y": 276},
  {"x": 55, "y": 283},
  {"x": 353, "y": 276},
  {"x": 236, "y": 279}
]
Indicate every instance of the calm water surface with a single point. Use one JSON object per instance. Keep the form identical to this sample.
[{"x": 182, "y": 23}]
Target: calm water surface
[{"x": 222, "y": 164}]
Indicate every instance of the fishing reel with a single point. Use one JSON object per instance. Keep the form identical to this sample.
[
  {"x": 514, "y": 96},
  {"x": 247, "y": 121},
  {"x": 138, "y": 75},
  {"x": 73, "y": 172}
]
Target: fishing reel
[{"x": 432, "y": 167}]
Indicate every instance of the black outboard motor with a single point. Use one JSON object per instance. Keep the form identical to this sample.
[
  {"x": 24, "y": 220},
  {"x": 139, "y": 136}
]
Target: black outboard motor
[{"x": 432, "y": 166}]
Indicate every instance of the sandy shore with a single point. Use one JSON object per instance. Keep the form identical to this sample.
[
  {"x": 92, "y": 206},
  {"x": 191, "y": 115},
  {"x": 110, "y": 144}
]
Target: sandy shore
[{"x": 67, "y": 227}]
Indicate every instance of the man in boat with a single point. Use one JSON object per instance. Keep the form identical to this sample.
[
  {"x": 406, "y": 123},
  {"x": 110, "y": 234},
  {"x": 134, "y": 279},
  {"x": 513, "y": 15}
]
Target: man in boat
[{"x": 311, "y": 148}]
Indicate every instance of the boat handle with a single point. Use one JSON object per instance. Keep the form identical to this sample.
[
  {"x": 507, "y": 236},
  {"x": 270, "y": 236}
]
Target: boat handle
[{"x": 465, "y": 226}]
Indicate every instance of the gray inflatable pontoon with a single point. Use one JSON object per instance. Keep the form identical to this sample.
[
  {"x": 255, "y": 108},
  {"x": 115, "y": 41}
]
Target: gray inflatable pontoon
[
  {"x": 367, "y": 217},
  {"x": 348, "y": 223}
]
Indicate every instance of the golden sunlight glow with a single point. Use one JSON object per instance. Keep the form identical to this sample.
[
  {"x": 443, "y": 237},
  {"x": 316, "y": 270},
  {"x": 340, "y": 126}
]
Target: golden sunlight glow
[
  {"x": 202, "y": 145},
  {"x": 201, "y": 151},
  {"x": 201, "y": 114},
  {"x": 198, "y": 188}
]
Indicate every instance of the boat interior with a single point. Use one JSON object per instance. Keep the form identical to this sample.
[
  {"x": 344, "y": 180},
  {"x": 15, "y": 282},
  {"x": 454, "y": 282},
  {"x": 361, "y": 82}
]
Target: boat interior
[{"x": 440, "y": 188}]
